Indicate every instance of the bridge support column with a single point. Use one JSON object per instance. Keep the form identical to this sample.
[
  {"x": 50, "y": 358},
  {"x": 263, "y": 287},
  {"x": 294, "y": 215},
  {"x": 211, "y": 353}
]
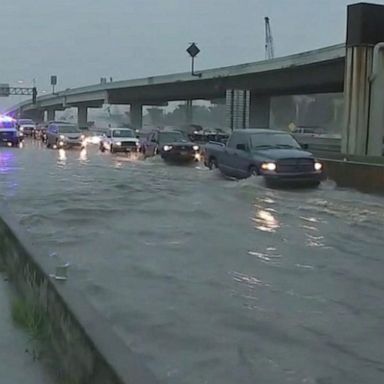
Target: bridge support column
[
  {"x": 363, "y": 82},
  {"x": 51, "y": 114},
  {"x": 136, "y": 114},
  {"x": 188, "y": 112},
  {"x": 237, "y": 108},
  {"x": 376, "y": 112},
  {"x": 82, "y": 116},
  {"x": 259, "y": 111}
]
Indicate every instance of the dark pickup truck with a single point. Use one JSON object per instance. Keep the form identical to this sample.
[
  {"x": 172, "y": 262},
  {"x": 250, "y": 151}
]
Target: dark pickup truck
[{"x": 276, "y": 155}]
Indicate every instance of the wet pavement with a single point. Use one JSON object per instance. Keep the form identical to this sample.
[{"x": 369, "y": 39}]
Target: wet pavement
[
  {"x": 212, "y": 280},
  {"x": 16, "y": 365}
]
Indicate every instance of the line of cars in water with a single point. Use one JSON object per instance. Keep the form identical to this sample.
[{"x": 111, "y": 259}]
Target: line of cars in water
[{"x": 274, "y": 155}]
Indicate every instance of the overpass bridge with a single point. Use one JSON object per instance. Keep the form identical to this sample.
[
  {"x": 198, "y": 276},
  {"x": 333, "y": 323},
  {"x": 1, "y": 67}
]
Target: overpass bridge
[{"x": 317, "y": 71}]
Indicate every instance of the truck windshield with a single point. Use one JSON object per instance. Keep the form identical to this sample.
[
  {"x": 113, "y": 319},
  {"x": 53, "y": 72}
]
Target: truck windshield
[
  {"x": 122, "y": 133},
  {"x": 7, "y": 124},
  {"x": 273, "y": 140},
  {"x": 68, "y": 129},
  {"x": 171, "y": 137},
  {"x": 26, "y": 121}
]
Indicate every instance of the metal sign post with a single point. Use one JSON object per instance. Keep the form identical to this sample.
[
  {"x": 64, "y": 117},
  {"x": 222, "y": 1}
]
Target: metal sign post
[
  {"x": 193, "y": 51},
  {"x": 4, "y": 90}
]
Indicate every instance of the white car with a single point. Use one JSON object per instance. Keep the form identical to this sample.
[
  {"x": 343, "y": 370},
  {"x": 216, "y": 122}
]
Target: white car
[
  {"x": 26, "y": 126},
  {"x": 119, "y": 140}
]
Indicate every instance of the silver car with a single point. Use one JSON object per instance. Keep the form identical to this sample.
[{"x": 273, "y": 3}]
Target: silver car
[{"x": 64, "y": 135}]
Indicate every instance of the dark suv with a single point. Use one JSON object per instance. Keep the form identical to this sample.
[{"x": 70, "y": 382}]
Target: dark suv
[{"x": 172, "y": 145}]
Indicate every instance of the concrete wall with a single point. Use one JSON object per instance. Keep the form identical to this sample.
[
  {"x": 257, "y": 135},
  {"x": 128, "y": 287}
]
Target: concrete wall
[
  {"x": 86, "y": 349},
  {"x": 364, "y": 177}
]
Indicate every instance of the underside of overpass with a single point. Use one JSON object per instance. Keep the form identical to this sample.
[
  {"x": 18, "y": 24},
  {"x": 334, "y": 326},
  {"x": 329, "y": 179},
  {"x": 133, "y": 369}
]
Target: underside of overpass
[{"x": 324, "y": 78}]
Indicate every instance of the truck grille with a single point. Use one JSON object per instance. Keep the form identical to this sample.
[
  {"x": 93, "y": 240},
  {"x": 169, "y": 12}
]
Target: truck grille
[
  {"x": 295, "y": 165},
  {"x": 183, "y": 148},
  {"x": 128, "y": 144}
]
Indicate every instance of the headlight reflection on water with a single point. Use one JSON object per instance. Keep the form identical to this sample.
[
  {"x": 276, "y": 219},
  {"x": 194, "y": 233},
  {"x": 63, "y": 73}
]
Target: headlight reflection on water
[
  {"x": 83, "y": 154},
  {"x": 62, "y": 154},
  {"x": 6, "y": 160},
  {"x": 265, "y": 221}
]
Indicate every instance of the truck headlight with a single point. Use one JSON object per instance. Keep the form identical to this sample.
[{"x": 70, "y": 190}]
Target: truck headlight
[
  {"x": 167, "y": 148},
  {"x": 318, "y": 166},
  {"x": 118, "y": 143},
  {"x": 62, "y": 137},
  {"x": 268, "y": 166},
  {"x": 196, "y": 147}
]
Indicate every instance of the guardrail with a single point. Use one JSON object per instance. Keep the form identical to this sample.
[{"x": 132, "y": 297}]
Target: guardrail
[{"x": 320, "y": 144}]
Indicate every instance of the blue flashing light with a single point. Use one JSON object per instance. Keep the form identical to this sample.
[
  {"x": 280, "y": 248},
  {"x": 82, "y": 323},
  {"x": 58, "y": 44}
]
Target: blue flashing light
[
  {"x": 7, "y": 122},
  {"x": 6, "y": 118}
]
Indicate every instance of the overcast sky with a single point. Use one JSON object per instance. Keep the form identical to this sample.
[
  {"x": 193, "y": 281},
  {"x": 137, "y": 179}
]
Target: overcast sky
[{"x": 83, "y": 40}]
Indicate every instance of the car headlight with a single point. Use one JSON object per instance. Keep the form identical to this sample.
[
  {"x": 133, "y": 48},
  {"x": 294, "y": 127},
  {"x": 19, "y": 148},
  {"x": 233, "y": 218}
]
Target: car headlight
[
  {"x": 318, "y": 166},
  {"x": 196, "y": 147},
  {"x": 167, "y": 147},
  {"x": 268, "y": 166},
  {"x": 21, "y": 129},
  {"x": 118, "y": 143},
  {"x": 62, "y": 137}
]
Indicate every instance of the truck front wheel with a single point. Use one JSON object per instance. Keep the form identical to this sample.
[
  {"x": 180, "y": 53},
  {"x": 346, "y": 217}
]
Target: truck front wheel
[
  {"x": 212, "y": 163},
  {"x": 253, "y": 171}
]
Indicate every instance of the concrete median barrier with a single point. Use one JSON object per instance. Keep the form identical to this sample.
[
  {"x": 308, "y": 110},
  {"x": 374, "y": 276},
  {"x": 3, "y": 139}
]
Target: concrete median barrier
[
  {"x": 84, "y": 344},
  {"x": 364, "y": 176}
]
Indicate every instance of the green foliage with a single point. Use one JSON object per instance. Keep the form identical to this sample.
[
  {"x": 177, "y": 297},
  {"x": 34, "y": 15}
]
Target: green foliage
[{"x": 31, "y": 318}]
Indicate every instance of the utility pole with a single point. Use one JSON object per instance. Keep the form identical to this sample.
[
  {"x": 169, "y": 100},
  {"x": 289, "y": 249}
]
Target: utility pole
[{"x": 269, "y": 49}]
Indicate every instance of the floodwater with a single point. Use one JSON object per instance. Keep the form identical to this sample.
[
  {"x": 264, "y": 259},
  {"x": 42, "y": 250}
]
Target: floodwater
[{"x": 211, "y": 280}]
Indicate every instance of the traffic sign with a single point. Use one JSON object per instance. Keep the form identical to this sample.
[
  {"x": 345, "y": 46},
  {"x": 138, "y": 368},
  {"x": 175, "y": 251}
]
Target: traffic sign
[{"x": 193, "y": 50}]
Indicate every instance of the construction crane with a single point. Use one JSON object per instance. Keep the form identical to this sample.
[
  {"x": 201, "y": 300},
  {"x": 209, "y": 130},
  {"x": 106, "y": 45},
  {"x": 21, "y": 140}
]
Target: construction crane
[{"x": 269, "y": 51}]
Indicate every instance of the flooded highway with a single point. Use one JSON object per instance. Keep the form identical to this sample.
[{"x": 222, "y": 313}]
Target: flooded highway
[{"x": 210, "y": 280}]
